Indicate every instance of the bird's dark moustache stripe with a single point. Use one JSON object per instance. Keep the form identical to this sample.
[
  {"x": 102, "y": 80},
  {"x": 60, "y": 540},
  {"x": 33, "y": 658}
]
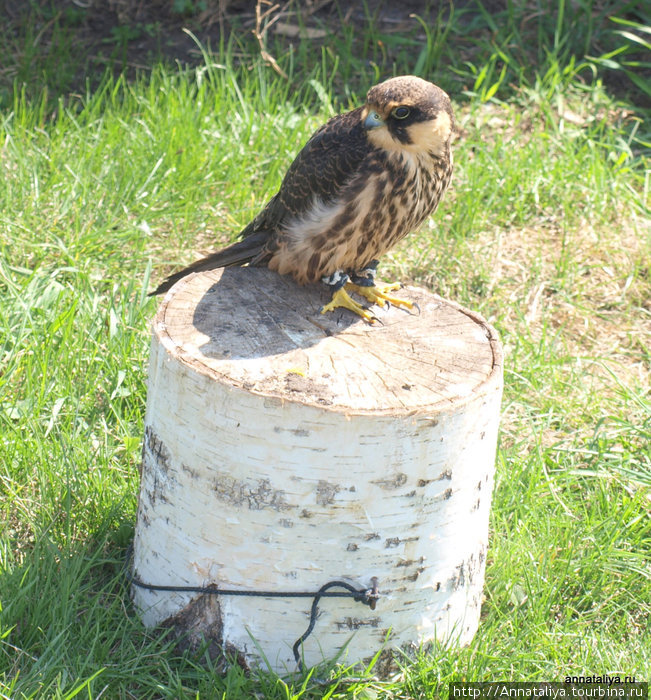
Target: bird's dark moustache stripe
[{"x": 402, "y": 134}]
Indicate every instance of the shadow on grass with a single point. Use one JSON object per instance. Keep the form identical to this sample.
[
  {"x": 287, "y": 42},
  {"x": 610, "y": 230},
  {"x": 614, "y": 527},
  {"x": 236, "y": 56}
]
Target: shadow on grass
[{"x": 471, "y": 48}]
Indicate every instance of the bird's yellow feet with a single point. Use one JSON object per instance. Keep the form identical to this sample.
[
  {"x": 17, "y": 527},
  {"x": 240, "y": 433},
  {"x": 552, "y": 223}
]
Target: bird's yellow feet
[
  {"x": 377, "y": 294},
  {"x": 342, "y": 300}
]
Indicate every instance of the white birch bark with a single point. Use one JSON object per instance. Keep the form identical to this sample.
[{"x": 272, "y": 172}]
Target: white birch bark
[{"x": 284, "y": 449}]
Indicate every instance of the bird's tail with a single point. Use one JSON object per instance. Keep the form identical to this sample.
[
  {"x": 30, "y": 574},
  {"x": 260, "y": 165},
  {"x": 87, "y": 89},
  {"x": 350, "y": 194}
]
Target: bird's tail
[{"x": 240, "y": 253}]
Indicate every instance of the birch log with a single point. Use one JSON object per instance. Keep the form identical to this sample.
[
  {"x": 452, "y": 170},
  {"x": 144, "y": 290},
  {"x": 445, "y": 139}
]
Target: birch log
[{"x": 284, "y": 449}]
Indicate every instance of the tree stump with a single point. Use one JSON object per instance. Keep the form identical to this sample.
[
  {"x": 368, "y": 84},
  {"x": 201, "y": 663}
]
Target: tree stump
[{"x": 285, "y": 449}]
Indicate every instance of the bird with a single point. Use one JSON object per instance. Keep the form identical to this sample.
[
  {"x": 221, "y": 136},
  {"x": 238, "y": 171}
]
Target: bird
[{"x": 360, "y": 184}]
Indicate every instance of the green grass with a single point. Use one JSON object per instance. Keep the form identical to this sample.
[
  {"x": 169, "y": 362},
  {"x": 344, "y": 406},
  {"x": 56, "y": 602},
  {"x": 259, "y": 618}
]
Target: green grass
[{"x": 545, "y": 231}]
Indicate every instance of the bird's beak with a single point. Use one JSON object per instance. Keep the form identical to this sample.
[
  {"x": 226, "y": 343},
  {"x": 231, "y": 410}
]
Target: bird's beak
[{"x": 373, "y": 120}]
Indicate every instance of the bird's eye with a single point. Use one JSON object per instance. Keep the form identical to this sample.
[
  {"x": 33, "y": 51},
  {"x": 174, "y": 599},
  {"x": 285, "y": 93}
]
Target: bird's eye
[{"x": 400, "y": 112}]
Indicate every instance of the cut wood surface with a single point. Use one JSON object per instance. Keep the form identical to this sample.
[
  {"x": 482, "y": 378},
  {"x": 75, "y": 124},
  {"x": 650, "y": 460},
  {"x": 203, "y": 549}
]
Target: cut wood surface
[
  {"x": 262, "y": 332},
  {"x": 285, "y": 449}
]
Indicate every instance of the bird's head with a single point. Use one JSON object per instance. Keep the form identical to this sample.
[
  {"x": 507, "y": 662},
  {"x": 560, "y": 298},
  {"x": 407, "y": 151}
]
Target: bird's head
[{"x": 408, "y": 114}]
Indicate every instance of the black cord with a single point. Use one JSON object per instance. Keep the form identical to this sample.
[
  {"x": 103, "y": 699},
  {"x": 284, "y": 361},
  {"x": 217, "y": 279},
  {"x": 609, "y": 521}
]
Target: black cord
[{"x": 368, "y": 596}]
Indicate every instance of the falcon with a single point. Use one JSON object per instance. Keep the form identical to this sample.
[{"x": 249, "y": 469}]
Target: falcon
[{"x": 362, "y": 182}]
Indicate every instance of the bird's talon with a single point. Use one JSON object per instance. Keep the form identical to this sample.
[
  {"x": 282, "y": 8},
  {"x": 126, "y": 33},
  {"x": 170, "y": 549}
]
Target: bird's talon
[
  {"x": 378, "y": 295},
  {"x": 341, "y": 299}
]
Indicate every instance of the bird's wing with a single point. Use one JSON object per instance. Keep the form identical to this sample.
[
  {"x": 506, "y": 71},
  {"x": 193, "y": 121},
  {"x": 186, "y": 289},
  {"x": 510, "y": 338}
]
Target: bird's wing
[{"x": 321, "y": 170}]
